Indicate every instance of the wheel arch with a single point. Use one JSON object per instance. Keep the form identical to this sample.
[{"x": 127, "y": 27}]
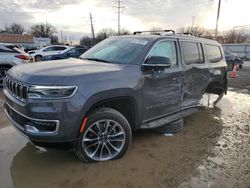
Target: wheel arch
[{"x": 126, "y": 105}]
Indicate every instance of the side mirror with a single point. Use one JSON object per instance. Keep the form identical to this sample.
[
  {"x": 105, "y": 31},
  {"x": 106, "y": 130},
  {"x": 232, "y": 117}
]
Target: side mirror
[{"x": 156, "y": 63}]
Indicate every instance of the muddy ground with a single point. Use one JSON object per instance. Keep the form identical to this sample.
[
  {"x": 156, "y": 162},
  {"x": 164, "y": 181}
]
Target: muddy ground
[{"x": 213, "y": 150}]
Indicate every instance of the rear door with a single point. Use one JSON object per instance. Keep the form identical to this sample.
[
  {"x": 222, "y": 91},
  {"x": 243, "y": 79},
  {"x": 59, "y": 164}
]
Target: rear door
[
  {"x": 161, "y": 91},
  {"x": 195, "y": 73}
]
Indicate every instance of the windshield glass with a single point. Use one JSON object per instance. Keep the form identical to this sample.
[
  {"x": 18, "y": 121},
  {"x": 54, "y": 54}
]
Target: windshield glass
[{"x": 116, "y": 50}]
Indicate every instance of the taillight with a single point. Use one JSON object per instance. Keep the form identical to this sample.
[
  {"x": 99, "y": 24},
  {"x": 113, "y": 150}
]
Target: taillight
[{"x": 23, "y": 57}]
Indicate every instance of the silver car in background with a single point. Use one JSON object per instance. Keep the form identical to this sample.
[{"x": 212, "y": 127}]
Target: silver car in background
[{"x": 10, "y": 55}]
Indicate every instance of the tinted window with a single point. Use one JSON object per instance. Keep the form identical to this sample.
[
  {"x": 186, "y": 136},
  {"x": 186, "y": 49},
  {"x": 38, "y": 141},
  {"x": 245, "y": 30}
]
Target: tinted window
[
  {"x": 192, "y": 52},
  {"x": 49, "y": 49},
  {"x": 81, "y": 50},
  {"x": 72, "y": 51},
  {"x": 213, "y": 53},
  {"x": 59, "y": 48},
  {"x": 165, "y": 49}
]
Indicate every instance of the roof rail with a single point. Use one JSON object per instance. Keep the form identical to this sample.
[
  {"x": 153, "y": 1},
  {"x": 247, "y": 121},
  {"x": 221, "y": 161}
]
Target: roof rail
[{"x": 155, "y": 31}]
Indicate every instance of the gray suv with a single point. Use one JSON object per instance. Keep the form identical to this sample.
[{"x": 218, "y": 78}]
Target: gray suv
[{"x": 123, "y": 84}]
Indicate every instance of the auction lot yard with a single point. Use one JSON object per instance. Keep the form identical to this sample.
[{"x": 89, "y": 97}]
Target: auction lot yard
[{"x": 213, "y": 150}]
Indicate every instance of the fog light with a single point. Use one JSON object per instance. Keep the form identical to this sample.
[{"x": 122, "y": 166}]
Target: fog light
[{"x": 41, "y": 127}]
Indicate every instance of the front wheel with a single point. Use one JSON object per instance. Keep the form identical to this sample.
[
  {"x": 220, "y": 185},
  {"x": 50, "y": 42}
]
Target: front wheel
[
  {"x": 3, "y": 72},
  {"x": 106, "y": 136}
]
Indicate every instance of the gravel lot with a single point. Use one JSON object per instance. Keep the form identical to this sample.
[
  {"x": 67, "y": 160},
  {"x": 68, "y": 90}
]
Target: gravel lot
[{"x": 213, "y": 150}]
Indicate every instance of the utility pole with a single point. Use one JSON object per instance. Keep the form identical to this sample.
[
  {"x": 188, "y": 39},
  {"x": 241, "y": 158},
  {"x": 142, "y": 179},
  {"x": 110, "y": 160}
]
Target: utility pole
[
  {"x": 119, "y": 11},
  {"x": 92, "y": 27},
  {"x": 61, "y": 37},
  {"x": 193, "y": 17},
  {"x": 217, "y": 20}
]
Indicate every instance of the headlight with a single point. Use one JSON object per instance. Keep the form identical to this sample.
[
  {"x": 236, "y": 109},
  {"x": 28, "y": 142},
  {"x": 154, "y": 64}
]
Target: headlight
[{"x": 51, "y": 92}]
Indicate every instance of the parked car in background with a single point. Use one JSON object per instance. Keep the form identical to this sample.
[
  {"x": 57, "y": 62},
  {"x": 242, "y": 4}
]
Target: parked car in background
[
  {"x": 10, "y": 55},
  {"x": 38, "y": 55},
  {"x": 74, "y": 52},
  {"x": 233, "y": 59}
]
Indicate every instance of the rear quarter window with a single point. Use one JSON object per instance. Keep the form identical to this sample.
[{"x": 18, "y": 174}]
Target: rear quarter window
[
  {"x": 192, "y": 53},
  {"x": 213, "y": 53}
]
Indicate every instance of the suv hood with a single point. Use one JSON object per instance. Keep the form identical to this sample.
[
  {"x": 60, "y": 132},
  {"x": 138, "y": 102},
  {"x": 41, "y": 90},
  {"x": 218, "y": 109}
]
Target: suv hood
[{"x": 68, "y": 71}]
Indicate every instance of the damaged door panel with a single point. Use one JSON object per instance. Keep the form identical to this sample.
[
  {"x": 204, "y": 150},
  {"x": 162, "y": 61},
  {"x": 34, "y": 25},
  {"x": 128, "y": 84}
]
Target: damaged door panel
[
  {"x": 195, "y": 73},
  {"x": 217, "y": 71}
]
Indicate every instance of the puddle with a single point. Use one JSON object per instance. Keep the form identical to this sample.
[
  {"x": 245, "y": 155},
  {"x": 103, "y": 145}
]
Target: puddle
[{"x": 211, "y": 151}]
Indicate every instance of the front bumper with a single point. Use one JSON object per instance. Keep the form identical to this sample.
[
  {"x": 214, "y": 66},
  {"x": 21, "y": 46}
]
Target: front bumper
[{"x": 47, "y": 121}]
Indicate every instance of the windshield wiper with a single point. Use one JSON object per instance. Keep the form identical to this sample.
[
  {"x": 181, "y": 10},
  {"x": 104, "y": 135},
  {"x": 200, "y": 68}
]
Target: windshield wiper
[{"x": 96, "y": 59}]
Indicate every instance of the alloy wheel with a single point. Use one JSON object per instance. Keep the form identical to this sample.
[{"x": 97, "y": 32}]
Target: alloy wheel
[{"x": 103, "y": 140}]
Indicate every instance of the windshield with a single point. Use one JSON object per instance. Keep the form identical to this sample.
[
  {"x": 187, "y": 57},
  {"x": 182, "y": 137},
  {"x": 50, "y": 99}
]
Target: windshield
[{"x": 116, "y": 50}]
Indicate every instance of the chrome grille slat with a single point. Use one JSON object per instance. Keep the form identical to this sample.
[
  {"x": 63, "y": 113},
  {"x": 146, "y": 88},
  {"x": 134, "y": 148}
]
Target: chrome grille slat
[
  {"x": 21, "y": 93},
  {"x": 17, "y": 90}
]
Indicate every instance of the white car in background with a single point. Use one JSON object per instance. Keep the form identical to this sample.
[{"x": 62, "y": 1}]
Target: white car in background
[
  {"x": 37, "y": 55},
  {"x": 10, "y": 55}
]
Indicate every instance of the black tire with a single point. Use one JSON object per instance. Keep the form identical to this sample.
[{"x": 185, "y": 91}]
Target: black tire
[
  {"x": 38, "y": 58},
  {"x": 110, "y": 115},
  {"x": 240, "y": 66},
  {"x": 3, "y": 72}
]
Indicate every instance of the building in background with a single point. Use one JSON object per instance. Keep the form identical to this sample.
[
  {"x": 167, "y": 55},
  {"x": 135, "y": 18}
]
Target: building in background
[{"x": 26, "y": 41}]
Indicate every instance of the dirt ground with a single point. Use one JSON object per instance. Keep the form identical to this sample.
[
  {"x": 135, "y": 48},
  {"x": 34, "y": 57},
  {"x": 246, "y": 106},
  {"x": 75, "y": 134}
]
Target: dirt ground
[{"x": 213, "y": 150}]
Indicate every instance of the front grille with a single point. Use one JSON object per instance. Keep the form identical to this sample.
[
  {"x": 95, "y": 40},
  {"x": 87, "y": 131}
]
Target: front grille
[{"x": 17, "y": 89}]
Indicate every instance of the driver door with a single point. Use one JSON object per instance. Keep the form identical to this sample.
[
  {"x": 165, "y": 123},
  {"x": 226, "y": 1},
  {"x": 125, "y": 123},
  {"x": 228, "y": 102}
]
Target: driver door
[{"x": 162, "y": 87}]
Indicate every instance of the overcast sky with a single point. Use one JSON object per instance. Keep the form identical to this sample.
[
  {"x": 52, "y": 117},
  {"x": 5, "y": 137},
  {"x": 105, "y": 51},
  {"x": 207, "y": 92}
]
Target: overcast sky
[{"x": 72, "y": 16}]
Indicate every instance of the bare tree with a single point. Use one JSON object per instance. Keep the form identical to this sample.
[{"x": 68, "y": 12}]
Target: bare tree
[
  {"x": 86, "y": 42},
  {"x": 43, "y": 30},
  {"x": 14, "y": 29},
  {"x": 54, "y": 39},
  {"x": 124, "y": 32},
  {"x": 105, "y": 33},
  {"x": 154, "y": 30},
  {"x": 235, "y": 36},
  {"x": 198, "y": 31}
]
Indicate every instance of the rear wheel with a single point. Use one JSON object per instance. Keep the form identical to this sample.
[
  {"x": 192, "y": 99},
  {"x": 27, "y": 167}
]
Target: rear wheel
[
  {"x": 107, "y": 136},
  {"x": 38, "y": 58},
  {"x": 3, "y": 72}
]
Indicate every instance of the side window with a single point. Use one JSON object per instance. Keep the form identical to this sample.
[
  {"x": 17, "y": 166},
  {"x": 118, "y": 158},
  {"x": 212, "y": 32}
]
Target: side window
[
  {"x": 165, "y": 49},
  {"x": 59, "y": 48},
  {"x": 72, "y": 51},
  {"x": 192, "y": 52},
  {"x": 49, "y": 49},
  {"x": 213, "y": 53}
]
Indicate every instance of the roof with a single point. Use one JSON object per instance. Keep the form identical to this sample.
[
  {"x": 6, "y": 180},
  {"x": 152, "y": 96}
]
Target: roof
[
  {"x": 174, "y": 36},
  {"x": 16, "y": 38}
]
